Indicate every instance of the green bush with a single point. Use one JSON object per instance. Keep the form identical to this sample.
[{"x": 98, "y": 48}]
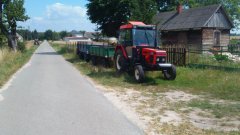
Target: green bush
[
  {"x": 234, "y": 41},
  {"x": 220, "y": 57},
  {"x": 21, "y": 46}
]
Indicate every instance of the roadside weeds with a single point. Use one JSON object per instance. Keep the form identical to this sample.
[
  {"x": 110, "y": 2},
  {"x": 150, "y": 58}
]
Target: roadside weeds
[{"x": 11, "y": 62}]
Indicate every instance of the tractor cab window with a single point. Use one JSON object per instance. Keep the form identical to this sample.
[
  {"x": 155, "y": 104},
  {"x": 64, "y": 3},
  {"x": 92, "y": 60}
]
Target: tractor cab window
[
  {"x": 125, "y": 37},
  {"x": 144, "y": 37},
  {"x": 122, "y": 37},
  {"x": 128, "y": 38}
]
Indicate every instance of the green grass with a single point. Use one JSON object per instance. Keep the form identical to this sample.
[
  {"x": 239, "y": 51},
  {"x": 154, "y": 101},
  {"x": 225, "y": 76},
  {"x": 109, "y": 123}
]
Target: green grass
[
  {"x": 219, "y": 110},
  {"x": 207, "y": 59},
  {"x": 216, "y": 83},
  {"x": 10, "y": 62}
]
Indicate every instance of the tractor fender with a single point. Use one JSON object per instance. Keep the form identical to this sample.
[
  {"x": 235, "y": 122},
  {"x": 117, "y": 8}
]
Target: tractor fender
[{"x": 119, "y": 47}]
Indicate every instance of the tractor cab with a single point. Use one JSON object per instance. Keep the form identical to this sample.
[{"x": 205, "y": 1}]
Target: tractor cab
[
  {"x": 137, "y": 34},
  {"x": 140, "y": 40},
  {"x": 138, "y": 50}
]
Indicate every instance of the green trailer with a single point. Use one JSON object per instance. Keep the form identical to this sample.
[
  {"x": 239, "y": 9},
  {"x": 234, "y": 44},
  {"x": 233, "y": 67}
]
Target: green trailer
[
  {"x": 101, "y": 54},
  {"x": 83, "y": 50}
]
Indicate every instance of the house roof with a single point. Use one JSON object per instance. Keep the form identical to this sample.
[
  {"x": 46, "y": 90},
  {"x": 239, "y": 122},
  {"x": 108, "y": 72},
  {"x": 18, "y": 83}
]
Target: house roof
[{"x": 189, "y": 19}]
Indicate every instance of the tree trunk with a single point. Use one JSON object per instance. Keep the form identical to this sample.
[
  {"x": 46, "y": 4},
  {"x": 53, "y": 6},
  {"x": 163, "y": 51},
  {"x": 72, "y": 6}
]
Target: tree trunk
[{"x": 12, "y": 42}]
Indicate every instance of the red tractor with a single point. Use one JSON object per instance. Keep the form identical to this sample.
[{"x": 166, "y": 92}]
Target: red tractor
[{"x": 137, "y": 51}]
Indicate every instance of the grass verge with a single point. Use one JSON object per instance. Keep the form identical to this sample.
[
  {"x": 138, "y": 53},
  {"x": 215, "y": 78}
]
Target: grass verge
[
  {"x": 218, "y": 110},
  {"x": 10, "y": 62}
]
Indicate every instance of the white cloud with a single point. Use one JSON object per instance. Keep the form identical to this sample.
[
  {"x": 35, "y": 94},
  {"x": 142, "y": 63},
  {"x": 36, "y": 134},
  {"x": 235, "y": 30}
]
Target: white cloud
[
  {"x": 59, "y": 11},
  {"x": 59, "y": 17},
  {"x": 38, "y": 18}
]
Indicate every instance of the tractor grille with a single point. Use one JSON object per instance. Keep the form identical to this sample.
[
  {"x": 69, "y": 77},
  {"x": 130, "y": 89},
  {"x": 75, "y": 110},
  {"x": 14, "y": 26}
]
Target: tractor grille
[{"x": 161, "y": 60}]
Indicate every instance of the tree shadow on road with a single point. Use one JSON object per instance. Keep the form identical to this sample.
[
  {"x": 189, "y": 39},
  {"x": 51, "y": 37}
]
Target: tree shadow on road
[{"x": 47, "y": 53}]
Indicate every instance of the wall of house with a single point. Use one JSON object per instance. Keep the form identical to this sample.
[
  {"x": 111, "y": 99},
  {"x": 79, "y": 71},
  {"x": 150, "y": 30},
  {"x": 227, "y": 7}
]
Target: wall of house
[
  {"x": 219, "y": 20},
  {"x": 189, "y": 39},
  {"x": 225, "y": 37},
  {"x": 169, "y": 38},
  {"x": 209, "y": 40},
  {"x": 195, "y": 40}
]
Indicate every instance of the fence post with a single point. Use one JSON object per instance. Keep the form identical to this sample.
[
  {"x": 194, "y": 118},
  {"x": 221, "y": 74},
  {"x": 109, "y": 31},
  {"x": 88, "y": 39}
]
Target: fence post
[
  {"x": 185, "y": 53},
  {"x": 174, "y": 56}
]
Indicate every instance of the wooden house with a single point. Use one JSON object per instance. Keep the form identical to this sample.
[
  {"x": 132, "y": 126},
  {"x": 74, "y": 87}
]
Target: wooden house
[{"x": 196, "y": 28}]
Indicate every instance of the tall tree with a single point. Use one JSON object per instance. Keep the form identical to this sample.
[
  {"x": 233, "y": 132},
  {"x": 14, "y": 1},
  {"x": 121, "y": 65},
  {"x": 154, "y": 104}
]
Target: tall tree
[
  {"x": 48, "y": 34},
  {"x": 35, "y": 34},
  {"x": 11, "y": 11},
  {"x": 55, "y": 36},
  {"x": 110, "y": 14},
  {"x": 143, "y": 10},
  {"x": 63, "y": 34}
]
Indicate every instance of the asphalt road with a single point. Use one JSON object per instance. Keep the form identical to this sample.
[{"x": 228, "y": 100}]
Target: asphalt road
[{"x": 50, "y": 97}]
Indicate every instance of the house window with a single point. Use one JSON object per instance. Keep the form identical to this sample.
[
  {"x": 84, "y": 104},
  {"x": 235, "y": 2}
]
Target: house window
[{"x": 217, "y": 36}]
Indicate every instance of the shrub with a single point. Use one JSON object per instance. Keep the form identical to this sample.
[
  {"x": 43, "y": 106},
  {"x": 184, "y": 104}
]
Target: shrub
[
  {"x": 234, "y": 41},
  {"x": 21, "y": 46},
  {"x": 220, "y": 57}
]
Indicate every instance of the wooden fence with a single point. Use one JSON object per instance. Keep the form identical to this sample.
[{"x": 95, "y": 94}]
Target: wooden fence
[{"x": 176, "y": 56}]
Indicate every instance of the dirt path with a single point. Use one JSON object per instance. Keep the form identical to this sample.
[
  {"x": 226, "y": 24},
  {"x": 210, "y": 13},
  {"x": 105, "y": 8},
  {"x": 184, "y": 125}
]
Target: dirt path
[{"x": 170, "y": 112}]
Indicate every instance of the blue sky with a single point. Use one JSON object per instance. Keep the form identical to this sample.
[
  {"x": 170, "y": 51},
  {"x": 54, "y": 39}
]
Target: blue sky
[{"x": 57, "y": 15}]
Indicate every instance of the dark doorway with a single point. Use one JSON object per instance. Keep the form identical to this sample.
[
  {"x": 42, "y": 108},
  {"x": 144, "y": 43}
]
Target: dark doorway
[{"x": 217, "y": 35}]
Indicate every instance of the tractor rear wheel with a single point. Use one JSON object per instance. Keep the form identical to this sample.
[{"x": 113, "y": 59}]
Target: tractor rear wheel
[
  {"x": 139, "y": 73},
  {"x": 119, "y": 61},
  {"x": 170, "y": 73}
]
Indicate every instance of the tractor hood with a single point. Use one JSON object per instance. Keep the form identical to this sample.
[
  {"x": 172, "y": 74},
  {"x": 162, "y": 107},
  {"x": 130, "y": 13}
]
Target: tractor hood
[{"x": 151, "y": 51}]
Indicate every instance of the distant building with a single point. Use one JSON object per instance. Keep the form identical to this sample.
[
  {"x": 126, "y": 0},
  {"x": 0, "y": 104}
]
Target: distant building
[
  {"x": 198, "y": 28},
  {"x": 90, "y": 35},
  {"x": 76, "y": 39}
]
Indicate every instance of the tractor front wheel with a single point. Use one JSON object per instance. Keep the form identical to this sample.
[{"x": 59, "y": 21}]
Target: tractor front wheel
[
  {"x": 139, "y": 73},
  {"x": 170, "y": 73}
]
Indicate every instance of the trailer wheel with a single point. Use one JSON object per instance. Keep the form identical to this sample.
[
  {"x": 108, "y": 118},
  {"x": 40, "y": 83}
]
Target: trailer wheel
[
  {"x": 81, "y": 56},
  {"x": 119, "y": 61},
  {"x": 170, "y": 73},
  {"x": 106, "y": 63},
  {"x": 94, "y": 61},
  {"x": 86, "y": 57},
  {"x": 139, "y": 73}
]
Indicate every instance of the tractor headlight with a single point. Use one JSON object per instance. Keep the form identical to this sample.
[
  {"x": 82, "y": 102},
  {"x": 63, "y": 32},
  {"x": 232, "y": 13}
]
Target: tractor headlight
[{"x": 163, "y": 59}]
